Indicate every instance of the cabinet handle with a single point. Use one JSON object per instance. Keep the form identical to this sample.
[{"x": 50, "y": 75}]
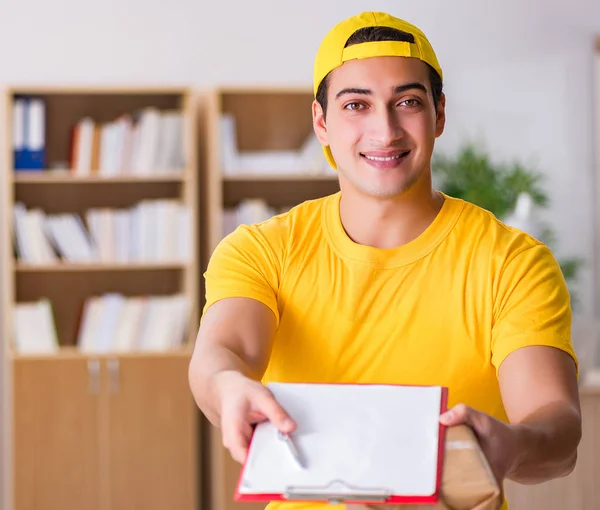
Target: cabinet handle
[
  {"x": 94, "y": 376},
  {"x": 113, "y": 375}
]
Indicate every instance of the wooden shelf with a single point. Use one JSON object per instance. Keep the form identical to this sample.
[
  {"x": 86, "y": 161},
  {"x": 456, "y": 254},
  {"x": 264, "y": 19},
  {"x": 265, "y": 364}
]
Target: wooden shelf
[
  {"x": 286, "y": 124},
  {"x": 58, "y": 191},
  {"x": 285, "y": 117},
  {"x": 50, "y": 177},
  {"x": 277, "y": 192},
  {"x": 67, "y": 352},
  {"x": 95, "y": 267},
  {"x": 78, "y": 197},
  {"x": 134, "y": 92},
  {"x": 96, "y": 435},
  {"x": 279, "y": 177}
]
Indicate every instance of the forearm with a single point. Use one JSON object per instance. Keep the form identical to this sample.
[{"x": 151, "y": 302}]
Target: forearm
[
  {"x": 206, "y": 366},
  {"x": 234, "y": 338},
  {"x": 547, "y": 444}
]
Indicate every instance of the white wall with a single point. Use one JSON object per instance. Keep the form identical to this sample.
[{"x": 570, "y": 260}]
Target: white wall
[{"x": 518, "y": 72}]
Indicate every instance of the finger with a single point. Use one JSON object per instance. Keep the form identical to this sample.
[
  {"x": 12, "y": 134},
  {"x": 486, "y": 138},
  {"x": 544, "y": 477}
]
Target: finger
[
  {"x": 267, "y": 405},
  {"x": 239, "y": 441},
  {"x": 236, "y": 437},
  {"x": 457, "y": 415},
  {"x": 463, "y": 414}
]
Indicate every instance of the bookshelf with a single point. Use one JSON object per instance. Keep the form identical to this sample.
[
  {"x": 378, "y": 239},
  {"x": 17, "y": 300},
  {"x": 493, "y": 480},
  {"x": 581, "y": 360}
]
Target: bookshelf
[
  {"x": 262, "y": 158},
  {"x": 102, "y": 228},
  {"x": 260, "y": 146}
]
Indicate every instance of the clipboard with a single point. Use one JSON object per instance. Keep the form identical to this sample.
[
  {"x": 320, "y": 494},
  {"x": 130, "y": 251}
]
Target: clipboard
[{"x": 363, "y": 443}]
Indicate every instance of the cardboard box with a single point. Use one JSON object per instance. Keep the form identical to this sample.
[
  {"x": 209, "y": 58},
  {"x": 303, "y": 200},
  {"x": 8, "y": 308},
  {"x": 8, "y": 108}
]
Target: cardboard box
[{"x": 467, "y": 480}]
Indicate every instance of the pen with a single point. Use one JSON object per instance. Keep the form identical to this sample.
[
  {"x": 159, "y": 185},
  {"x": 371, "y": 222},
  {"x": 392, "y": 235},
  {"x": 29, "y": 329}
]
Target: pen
[{"x": 292, "y": 449}]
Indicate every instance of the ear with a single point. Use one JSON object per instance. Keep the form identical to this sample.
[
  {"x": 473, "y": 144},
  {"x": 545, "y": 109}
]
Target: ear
[
  {"x": 440, "y": 119},
  {"x": 319, "y": 123}
]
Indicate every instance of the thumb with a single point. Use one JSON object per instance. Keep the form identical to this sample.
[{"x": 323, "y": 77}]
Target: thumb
[
  {"x": 459, "y": 414},
  {"x": 268, "y": 406}
]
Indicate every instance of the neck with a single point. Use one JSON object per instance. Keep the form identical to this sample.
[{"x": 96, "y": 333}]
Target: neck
[{"x": 390, "y": 222}]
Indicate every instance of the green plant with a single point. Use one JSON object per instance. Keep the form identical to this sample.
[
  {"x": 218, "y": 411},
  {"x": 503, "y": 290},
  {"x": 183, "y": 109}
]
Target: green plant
[{"x": 473, "y": 176}]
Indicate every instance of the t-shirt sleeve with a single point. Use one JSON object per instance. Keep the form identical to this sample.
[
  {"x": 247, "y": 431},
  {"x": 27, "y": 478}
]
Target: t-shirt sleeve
[
  {"x": 244, "y": 264},
  {"x": 532, "y": 305}
]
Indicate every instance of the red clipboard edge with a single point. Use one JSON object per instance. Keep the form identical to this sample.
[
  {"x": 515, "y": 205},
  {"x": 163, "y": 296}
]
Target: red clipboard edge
[{"x": 408, "y": 499}]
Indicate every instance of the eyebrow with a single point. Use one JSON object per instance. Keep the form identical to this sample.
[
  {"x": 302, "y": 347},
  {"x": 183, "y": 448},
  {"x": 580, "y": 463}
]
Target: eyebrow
[{"x": 366, "y": 92}]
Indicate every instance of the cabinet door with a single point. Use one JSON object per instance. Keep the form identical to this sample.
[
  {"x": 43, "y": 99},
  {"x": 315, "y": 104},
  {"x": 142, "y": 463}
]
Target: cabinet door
[
  {"x": 153, "y": 434},
  {"x": 56, "y": 431}
]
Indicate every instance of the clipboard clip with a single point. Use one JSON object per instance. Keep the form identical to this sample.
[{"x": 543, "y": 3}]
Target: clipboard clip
[{"x": 337, "y": 492}]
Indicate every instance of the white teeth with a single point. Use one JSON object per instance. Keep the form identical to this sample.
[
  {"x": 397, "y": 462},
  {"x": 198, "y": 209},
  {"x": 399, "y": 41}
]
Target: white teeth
[{"x": 377, "y": 158}]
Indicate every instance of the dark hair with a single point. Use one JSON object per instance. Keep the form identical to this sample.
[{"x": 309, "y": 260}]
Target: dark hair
[{"x": 374, "y": 34}]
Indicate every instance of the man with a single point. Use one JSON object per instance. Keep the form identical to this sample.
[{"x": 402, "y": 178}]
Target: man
[{"x": 389, "y": 281}]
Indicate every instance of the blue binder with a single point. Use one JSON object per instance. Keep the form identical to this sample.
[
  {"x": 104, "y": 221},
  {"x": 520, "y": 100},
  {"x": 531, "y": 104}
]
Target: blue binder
[{"x": 29, "y": 135}]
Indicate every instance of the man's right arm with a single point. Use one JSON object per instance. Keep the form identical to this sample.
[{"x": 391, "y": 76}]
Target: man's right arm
[
  {"x": 235, "y": 338},
  {"x": 231, "y": 354},
  {"x": 236, "y": 334}
]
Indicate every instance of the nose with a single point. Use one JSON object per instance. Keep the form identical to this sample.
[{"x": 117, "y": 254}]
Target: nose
[{"x": 385, "y": 128}]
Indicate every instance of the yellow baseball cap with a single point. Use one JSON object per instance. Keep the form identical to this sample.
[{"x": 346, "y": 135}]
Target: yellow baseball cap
[{"x": 332, "y": 53}]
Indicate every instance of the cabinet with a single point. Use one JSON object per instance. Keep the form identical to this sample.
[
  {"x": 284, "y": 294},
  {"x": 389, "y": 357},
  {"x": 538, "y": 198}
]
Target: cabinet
[
  {"x": 104, "y": 433},
  {"x": 57, "y": 427}
]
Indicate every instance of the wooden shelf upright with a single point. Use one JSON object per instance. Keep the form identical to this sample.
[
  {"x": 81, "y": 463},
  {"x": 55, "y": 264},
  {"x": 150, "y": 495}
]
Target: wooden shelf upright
[{"x": 275, "y": 119}]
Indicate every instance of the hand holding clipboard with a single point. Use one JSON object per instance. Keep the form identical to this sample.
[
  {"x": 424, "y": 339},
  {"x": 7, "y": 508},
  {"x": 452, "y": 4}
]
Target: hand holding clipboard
[
  {"x": 249, "y": 403},
  {"x": 358, "y": 443}
]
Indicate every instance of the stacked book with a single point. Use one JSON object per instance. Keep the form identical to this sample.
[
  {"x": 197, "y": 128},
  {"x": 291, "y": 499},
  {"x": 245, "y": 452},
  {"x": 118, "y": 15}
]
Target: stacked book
[
  {"x": 151, "y": 231},
  {"x": 307, "y": 159},
  {"x": 110, "y": 323},
  {"x": 116, "y": 323},
  {"x": 148, "y": 142}
]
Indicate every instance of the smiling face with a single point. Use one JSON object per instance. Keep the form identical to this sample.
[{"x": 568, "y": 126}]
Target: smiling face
[{"x": 381, "y": 124}]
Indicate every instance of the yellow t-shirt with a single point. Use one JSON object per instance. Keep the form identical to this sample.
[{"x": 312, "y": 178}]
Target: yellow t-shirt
[{"x": 444, "y": 309}]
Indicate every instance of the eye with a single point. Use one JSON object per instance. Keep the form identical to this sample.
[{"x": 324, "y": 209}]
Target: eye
[
  {"x": 353, "y": 106},
  {"x": 411, "y": 103}
]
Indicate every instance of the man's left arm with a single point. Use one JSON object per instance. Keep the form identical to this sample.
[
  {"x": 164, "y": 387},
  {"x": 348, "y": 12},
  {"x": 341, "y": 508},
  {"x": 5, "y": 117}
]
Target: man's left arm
[
  {"x": 537, "y": 374},
  {"x": 541, "y": 398}
]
